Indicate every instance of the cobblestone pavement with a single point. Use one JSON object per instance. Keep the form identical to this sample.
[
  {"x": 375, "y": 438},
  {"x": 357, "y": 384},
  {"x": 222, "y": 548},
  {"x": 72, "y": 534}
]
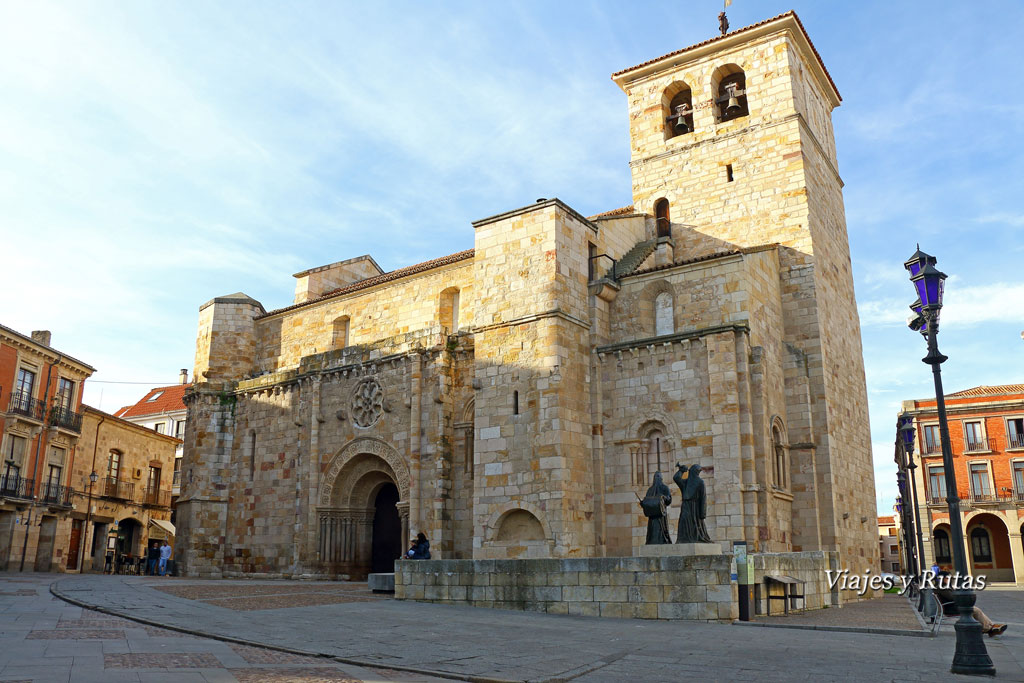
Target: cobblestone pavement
[
  {"x": 466, "y": 642},
  {"x": 46, "y": 639}
]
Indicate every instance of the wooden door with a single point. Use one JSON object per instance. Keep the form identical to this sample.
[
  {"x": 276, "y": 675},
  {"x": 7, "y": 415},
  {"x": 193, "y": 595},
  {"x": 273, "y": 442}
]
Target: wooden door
[{"x": 76, "y": 539}]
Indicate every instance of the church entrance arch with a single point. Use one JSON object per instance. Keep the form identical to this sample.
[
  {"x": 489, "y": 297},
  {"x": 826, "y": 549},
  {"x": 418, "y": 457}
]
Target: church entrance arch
[{"x": 362, "y": 514}]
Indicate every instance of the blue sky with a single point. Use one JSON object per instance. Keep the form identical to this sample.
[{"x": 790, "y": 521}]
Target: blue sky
[{"x": 155, "y": 155}]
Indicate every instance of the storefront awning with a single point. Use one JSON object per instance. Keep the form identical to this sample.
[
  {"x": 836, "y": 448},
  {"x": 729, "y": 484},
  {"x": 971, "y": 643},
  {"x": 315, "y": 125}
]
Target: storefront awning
[{"x": 161, "y": 526}]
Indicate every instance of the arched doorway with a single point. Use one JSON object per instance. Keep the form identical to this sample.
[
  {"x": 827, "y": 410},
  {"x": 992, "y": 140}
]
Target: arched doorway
[
  {"x": 363, "y": 519},
  {"x": 387, "y": 530},
  {"x": 129, "y": 541}
]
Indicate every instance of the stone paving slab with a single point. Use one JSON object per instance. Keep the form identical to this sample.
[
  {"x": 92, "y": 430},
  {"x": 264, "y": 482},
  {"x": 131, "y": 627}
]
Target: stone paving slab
[
  {"x": 486, "y": 644},
  {"x": 44, "y": 640}
]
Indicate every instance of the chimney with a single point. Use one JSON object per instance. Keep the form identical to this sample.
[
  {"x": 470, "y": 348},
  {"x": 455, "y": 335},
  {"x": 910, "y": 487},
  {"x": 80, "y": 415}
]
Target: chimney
[
  {"x": 184, "y": 376},
  {"x": 41, "y": 337}
]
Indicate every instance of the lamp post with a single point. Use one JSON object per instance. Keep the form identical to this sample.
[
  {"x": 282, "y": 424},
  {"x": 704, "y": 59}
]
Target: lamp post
[
  {"x": 907, "y": 434},
  {"x": 88, "y": 519},
  {"x": 970, "y": 657},
  {"x": 906, "y": 561}
]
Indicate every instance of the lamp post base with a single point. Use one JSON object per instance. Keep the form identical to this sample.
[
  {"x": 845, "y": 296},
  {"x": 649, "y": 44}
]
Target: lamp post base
[{"x": 971, "y": 657}]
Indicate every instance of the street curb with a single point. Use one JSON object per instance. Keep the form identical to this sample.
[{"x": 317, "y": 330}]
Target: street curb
[
  {"x": 277, "y": 648},
  {"x": 840, "y": 629}
]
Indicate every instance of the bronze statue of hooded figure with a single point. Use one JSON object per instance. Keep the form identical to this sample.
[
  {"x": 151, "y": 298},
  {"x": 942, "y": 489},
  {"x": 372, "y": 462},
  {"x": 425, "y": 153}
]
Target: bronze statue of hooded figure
[
  {"x": 694, "y": 506},
  {"x": 657, "y": 525}
]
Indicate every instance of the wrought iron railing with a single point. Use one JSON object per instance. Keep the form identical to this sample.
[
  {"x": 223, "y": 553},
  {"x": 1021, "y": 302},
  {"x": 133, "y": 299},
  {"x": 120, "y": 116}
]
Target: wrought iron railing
[
  {"x": 1004, "y": 497},
  {"x": 112, "y": 487},
  {"x": 973, "y": 445},
  {"x": 156, "y": 497},
  {"x": 1016, "y": 440},
  {"x": 23, "y": 404},
  {"x": 932, "y": 448},
  {"x": 15, "y": 486},
  {"x": 55, "y": 494},
  {"x": 66, "y": 418}
]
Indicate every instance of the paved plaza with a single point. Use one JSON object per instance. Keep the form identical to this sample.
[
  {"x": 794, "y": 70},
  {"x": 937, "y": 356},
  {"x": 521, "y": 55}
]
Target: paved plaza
[{"x": 328, "y": 631}]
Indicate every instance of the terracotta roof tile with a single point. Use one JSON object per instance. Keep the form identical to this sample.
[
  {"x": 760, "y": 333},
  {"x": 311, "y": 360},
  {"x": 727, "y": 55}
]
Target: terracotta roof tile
[
  {"x": 379, "y": 279},
  {"x": 991, "y": 390},
  {"x": 790, "y": 13},
  {"x": 625, "y": 210},
  {"x": 170, "y": 398},
  {"x": 886, "y": 520}
]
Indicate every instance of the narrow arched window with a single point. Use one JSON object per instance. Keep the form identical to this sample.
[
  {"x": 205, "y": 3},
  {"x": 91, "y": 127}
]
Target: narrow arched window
[
  {"x": 449, "y": 310},
  {"x": 339, "y": 339},
  {"x": 252, "y": 454},
  {"x": 664, "y": 316},
  {"x": 679, "y": 113},
  {"x": 731, "y": 93},
  {"x": 780, "y": 468},
  {"x": 662, "y": 220},
  {"x": 981, "y": 545}
]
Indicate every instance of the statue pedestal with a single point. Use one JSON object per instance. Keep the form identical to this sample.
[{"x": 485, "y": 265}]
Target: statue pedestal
[{"x": 679, "y": 549}]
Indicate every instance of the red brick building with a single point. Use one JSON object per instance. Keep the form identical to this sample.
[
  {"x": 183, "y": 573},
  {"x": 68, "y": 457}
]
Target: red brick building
[
  {"x": 986, "y": 431},
  {"x": 40, "y": 426}
]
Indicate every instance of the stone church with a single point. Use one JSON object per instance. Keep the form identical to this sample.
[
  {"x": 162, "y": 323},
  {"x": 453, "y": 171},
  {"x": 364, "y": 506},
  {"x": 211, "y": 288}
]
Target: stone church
[{"x": 512, "y": 400}]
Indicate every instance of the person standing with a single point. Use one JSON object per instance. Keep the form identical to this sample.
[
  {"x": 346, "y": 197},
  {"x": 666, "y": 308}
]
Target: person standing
[
  {"x": 152, "y": 558},
  {"x": 165, "y": 554}
]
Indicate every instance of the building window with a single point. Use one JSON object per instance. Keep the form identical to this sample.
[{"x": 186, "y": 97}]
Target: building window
[
  {"x": 515, "y": 402},
  {"x": 780, "y": 470},
  {"x": 679, "y": 116},
  {"x": 1015, "y": 432},
  {"x": 339, "y": 339},
  {"x": 468, "y": 451},
  {"x": 252, "y": 454},
  {"x": 24, "y": 388},
  {"x": 114, "y": 465},
  {"x": 979, "y": 480},
  {"x": 941, "y": 539},
  {"x": 974, "y": 438},
  {"x": 1018, "y": 479},
  {"x": 936, "y": 483},
  {"x": 65, "y": 394},
  {"x": 893, "y": 549},
  {"x": 179, "y": 429},
  {"x": 664, "y": 316},
  {"x": 155, "y": 396},
  {"x": 932, "y": 440},
  {"x": 159, "y": 427},
  {"x": 981, "y": 545},
  {"x": 731, "y": 101},
  {"x": 153, "y": 482},
  {"x": 662, "y": 220}
]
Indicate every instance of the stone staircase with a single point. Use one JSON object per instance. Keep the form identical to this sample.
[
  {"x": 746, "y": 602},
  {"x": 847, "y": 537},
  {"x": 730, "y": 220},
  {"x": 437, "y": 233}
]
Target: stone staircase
[{"x": 632, "y": 259}]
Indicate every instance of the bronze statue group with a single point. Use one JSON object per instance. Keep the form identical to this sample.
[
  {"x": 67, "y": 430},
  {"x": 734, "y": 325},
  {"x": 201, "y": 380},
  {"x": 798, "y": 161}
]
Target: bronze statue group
[{"x": 692, "y": 513}]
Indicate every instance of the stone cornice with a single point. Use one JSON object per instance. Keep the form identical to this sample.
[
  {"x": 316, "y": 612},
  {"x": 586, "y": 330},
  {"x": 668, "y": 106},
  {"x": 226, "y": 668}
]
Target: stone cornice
[{"x": 667, "y": 339}]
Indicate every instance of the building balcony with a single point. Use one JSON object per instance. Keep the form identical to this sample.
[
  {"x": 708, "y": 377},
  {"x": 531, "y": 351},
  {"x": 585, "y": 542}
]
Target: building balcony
[
  {"x": 65, "y": 418},
  {"x": 156, "y": 498},
  {"x": 55, "y": 495},
  {"x": 111, "y": 487},
  {"x": 975, "y": 445},
  {"x": 16, "y": 488},
  {"x": 931, "y": 449},
  {"x": 25, "y": 407},
  {"x": 1015, "y": 440}
]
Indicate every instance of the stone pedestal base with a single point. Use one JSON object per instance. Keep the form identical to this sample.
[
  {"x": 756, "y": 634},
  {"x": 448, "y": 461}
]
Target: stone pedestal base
[
  {"x": 381, "y": 583},
  {"x": 679, "y": 550}
]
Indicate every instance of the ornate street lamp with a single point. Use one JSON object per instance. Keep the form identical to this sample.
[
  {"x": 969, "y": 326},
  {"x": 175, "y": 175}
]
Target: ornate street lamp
[
  {"x": 970, "y": 657},
  {"x": 907, "y": 435}
]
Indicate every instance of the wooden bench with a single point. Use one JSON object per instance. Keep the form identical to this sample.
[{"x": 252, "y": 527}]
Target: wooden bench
[{"x": 792, "y": 590}]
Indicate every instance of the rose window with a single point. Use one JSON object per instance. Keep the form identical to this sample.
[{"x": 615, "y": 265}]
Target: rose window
[{"x": 367, "y": 403}]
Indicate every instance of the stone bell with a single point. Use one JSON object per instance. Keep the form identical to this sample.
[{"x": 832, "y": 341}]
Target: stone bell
[{"x": 680, "y": 126}]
